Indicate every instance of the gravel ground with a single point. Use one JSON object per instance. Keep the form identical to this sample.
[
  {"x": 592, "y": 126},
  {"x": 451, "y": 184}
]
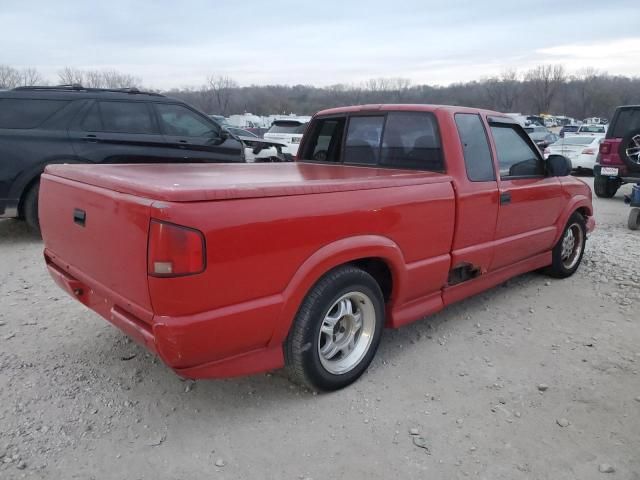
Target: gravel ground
[{"x": 535, "y": 379}]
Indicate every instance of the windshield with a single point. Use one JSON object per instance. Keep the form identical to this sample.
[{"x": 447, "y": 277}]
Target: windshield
[{"x": 538, "y": 135}]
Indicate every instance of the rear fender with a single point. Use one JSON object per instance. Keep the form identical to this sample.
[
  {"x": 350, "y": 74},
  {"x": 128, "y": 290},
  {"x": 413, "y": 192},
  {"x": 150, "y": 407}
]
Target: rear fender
[{"x": 329, "y": 257}]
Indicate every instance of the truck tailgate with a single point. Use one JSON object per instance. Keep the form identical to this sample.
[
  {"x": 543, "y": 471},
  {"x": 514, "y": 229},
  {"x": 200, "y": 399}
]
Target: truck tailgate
[{"x": 97, "y": 237}]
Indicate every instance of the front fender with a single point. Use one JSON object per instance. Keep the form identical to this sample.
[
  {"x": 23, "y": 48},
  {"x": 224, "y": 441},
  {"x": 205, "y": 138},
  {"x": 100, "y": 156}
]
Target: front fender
[
  {"x": 578, "y": 201},
  {"x": 329, "y": 257}
]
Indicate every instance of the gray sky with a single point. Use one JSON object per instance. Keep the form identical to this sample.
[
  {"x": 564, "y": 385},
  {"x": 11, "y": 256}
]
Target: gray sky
[{"x": 319, "y": 42}]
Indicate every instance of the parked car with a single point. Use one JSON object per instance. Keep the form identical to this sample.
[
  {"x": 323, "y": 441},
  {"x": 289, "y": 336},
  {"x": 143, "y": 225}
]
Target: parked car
[
  {"x": 619, "y": 159},
  {"x": 581, "y": 150},
  {"x": 238, "y": 269},
  {"x": 591, "y": 129},
  {"x": 568, "y": 129},
  {"x": 71, "y": 124},
  {"x": 288, "y": 131},
  {"x": 543, "y": 137}
]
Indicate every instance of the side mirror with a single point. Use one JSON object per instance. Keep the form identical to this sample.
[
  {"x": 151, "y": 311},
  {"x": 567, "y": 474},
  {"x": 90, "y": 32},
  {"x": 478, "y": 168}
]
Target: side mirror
[
  {"x": 558, "y": 166},
  {"x": 220, "y": 137}
]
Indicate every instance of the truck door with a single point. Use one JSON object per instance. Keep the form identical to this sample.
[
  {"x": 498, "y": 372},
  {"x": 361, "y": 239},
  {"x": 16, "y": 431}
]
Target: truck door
[
  {"x": 530, "y": 201},
  {"x": 477, "y": 197}
]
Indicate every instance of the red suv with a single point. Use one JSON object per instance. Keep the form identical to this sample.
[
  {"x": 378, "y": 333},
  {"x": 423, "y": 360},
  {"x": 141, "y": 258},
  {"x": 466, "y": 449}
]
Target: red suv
[{"x": 619, "y": 159}]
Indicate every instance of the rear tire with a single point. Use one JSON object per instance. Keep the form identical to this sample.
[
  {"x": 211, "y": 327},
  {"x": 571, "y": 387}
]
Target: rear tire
[
  {"x": 30, "y": 208},
  {"x": 567, "y": 253},
  {"x": 604, "y": 187},
  {"x": 634, "y": 219},
  {"x": 337, "y": 330}
]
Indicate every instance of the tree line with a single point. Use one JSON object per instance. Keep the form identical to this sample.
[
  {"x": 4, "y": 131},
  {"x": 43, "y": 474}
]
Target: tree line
[{"x": 542, "y": 89}]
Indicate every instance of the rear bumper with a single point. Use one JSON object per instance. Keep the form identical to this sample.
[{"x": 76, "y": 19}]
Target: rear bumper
[{"x": 194, "y": 346}]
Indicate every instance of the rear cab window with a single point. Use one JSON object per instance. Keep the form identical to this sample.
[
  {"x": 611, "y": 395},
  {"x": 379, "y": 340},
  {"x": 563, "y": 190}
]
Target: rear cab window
[
  {"x": 475, "y": 147},
  {"x": 25, "y": 113},
  {"x": 381, "y": 139}
]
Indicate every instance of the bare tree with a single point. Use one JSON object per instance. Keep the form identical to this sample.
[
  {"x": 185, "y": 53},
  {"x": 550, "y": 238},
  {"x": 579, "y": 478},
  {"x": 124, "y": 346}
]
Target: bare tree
[
  {"x": 30, "y": 76},
  {"x": 115, "y": 79},
  {"x": 9, "y": 77},
  {"x": 222, "y": 88},
  {"x": 545, "y": 82},
  {"x": 71, "y": 76},
  {"x": 503, "y": 91},
  {"x": 93, "y": 79}
]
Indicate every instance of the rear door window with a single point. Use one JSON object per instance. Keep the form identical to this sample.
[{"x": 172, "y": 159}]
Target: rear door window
[
  {"x": 126, "y": 117},
  {"x": 362, "y": 145},
  {"x": 475, "y": 147},
  {"x": 516, "y": 157},
  {"x": 27, "y": 113},
  {"x": 92, "y": 121},
  {"x": 411, "y": 140}
]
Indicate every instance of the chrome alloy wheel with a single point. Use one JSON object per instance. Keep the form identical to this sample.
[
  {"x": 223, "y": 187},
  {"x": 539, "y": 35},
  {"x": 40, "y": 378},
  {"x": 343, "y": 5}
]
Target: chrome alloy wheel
[
  {"x": 572, "y": 243},
  {"x": 633, "y": 149},
  {"x": 346, "y": 332}
]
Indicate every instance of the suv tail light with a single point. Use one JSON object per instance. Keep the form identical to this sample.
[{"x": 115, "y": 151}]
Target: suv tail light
[
  {"x": 605, "y": 148},
  {"x": 174, "y": 250}
]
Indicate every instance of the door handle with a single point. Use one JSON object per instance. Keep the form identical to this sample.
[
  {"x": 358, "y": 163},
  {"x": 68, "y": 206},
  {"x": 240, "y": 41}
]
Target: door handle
[
  {"x": 91, "y": 139},
  {"x": 505, "y": 198},
  {"x": 182, "y": 144}
]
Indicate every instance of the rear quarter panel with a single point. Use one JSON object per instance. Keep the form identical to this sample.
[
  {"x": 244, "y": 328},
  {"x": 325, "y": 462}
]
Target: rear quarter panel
[{"x": 256, "y": 246}]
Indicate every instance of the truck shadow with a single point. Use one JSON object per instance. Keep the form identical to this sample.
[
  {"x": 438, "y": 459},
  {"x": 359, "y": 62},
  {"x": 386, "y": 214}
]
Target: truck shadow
[{"x": 15, "y": 231}]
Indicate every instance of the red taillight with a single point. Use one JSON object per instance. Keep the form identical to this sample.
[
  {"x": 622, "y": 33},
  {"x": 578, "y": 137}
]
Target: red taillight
[
  {"x": 588, "y": 151},
  {"x": 605, "y": 148},
  {"x": 174, "y": 250}
]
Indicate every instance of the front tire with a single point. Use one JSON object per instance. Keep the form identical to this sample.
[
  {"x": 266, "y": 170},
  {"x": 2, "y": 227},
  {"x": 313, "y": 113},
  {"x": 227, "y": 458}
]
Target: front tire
[
  {"x": 604, "y": 187},
  {"x": 337, "y": 330},
  {"x": 567, "y": 253}
]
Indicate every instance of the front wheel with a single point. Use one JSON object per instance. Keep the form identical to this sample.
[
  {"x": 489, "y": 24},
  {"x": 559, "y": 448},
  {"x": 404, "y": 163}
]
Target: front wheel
[
  {"x": 337, "y": 330},
  {"x": 567, "y": 253}
]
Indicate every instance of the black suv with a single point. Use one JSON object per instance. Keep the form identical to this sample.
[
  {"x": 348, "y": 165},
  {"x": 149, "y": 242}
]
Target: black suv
[{"x": 71, "y": 124}]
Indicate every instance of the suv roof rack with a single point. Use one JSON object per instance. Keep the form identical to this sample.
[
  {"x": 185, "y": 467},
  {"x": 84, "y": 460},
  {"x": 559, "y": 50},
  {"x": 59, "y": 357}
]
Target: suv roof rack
[{"x": 76, "y": 87}]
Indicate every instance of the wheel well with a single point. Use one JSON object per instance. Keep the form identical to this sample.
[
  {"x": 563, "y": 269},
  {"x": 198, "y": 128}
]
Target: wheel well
[
  {"x": 380, "y": 271},
  {"x": 584, "y": 211}
]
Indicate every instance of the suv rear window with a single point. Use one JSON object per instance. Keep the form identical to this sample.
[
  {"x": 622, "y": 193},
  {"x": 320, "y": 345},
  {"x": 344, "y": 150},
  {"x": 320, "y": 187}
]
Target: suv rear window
[
  {"x": 287, "y": 127},
  {"x": 27, "y": 113},
  {"x": 627, "y": 120}
]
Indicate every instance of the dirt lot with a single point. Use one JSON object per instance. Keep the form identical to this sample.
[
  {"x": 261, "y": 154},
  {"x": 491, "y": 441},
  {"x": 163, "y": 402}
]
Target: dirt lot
[{"x": 79, "y": 400}]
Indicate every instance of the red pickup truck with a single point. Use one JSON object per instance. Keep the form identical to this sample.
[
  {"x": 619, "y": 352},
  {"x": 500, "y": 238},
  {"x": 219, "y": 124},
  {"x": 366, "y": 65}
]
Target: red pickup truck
[{"x": 391, "y": 213}]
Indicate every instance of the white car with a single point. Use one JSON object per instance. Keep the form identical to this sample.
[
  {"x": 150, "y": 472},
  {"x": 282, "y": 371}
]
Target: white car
[
  {"x": 257, "y": 149},
  {"x": 582, "y": 150},
  {"x": 592, "y": 130},
  {"x": 289, "y": 132}
]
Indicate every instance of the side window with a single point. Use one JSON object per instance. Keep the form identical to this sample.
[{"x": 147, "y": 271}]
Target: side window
[
  {"x": 27, "y": 113},
  {"x": 411, "y": 140},
  {"x": 92, "y": 121},
  {"x": 179, "y": 120},
  {"x": 515, "y": 156},
  {"x": 362, "y": 145},
  {"x": 126, "y": 117},
  {"x": 325, "y": 140},
  {"x": 475, "y": 146}
]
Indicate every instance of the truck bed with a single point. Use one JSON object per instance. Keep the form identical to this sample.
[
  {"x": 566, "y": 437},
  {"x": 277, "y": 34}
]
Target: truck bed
[{"x": 200, "y": 182}]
